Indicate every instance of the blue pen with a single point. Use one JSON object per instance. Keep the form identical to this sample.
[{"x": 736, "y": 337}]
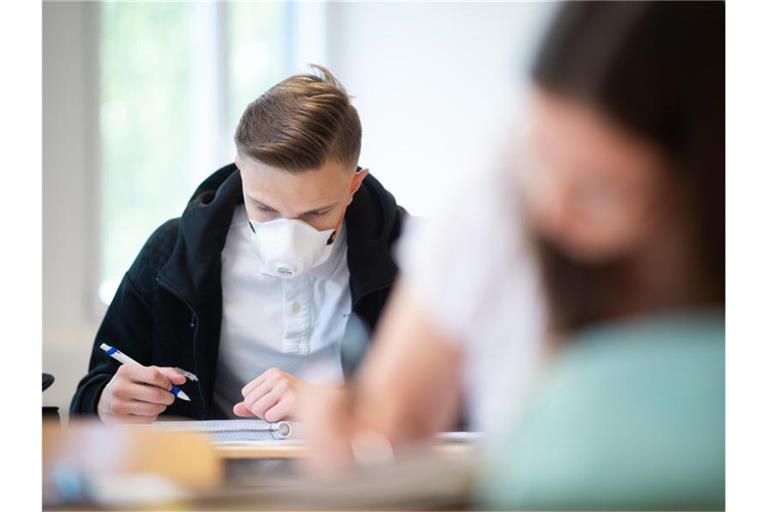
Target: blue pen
[{"x": 119, "y": 356}]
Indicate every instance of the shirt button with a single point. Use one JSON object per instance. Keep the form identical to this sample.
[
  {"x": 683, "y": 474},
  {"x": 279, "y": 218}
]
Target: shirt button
[{"x": 296, "y": 307}]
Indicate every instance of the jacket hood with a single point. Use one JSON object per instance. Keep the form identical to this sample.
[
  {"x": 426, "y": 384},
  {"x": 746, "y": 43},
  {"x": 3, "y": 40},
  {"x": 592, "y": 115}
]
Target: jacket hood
[{"x": 194, "y": 269}]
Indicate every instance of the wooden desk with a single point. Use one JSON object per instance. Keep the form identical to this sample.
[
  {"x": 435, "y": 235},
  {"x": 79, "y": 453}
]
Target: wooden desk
[
  {"x": 287, "y": 450},
  {"x": 293, "y": 450},
  {"x": 211, "y": 472}
]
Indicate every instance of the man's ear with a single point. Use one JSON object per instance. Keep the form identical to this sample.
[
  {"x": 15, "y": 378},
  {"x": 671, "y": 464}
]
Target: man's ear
[
  {"x": 237, "y": 161},
  {"x": 357, "y": 181}
]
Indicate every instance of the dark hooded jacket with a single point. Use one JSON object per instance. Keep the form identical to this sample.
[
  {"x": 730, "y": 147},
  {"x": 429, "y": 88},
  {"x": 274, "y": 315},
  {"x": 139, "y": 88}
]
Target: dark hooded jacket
[{"x": 167, "y": 310}]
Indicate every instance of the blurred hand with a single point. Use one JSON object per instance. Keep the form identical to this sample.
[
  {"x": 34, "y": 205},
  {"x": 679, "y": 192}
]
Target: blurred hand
[
  {"x": 138, "y": 394},
  {"x": 271, "y": 396},
  {"x": 327, "y": 413}
]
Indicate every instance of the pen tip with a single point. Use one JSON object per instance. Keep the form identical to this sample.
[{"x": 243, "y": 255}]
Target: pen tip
[{"x": 183, "y": 396}]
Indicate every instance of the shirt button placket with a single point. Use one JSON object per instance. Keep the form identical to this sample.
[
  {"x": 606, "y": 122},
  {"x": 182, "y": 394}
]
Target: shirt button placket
[
  {"x": 289, "y": 319},
  {"x": 305, "y": 305}
]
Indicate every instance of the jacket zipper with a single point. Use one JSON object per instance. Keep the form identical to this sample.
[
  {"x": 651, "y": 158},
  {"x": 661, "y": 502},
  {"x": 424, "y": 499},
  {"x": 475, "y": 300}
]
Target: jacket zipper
[{"x": 194, "y": 325}]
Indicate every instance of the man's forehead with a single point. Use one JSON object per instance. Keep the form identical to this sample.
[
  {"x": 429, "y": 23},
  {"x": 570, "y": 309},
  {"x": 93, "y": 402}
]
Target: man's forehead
[{"x": 280, "y": 189}]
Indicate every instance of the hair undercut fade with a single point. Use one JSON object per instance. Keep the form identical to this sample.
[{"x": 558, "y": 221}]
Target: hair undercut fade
[{"x": 301, "y": 123}]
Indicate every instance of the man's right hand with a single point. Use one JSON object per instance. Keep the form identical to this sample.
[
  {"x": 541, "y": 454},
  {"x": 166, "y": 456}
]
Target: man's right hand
[{"x": 138, "y": 394}]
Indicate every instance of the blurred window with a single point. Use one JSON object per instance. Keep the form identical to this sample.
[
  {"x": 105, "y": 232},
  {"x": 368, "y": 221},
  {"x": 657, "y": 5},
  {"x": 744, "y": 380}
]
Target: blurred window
[{"x": 174, "y": 79}]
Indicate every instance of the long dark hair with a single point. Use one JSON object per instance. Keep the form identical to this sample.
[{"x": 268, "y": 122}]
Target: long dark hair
[{"x": 657, "y": 69}]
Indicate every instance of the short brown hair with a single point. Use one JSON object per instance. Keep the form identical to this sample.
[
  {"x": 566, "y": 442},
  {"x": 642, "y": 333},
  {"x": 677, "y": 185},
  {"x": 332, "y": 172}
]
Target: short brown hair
[{"x": 301, "y": 123}]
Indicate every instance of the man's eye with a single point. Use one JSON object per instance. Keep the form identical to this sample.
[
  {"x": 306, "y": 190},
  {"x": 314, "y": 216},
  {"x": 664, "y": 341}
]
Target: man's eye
[
  {"x": 315, "y": 214},
  {"x": 265, "y": 209}
]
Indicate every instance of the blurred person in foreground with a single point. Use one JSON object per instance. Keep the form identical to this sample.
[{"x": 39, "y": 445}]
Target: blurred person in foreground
[{"x": 614, "y": 219}]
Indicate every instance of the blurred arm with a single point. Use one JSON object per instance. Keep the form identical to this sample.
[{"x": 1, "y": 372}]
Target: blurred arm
[
  {"x": 409, "y": 386},
  {"x": 407, "y": 389}
]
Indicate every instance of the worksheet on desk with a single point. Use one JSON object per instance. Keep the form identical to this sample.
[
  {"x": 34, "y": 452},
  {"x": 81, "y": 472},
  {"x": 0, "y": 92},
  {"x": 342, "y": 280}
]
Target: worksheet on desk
[
  {"x": 235, "y": 430},
  {"x": 260, "y": 431}
]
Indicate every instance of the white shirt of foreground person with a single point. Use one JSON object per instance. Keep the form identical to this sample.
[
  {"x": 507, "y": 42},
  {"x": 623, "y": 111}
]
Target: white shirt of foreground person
[
  {"x": 469, "y": 267},
  {"x": 294, "y": 324}
]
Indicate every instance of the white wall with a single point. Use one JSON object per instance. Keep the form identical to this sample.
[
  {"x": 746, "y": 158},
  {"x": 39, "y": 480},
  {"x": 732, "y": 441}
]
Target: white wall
[
  {"x": 69, "y": 190},
  {"x": 434, "y": 83}
]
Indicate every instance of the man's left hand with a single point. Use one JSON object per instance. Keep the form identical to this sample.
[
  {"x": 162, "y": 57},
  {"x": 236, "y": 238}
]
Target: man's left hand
[{"x": 271, "y": 396}]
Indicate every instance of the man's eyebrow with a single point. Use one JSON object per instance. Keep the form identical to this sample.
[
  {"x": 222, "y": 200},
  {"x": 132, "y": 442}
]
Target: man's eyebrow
[
  {"x": 264, "y": 205},
  {"x": 317, "y": 210},
  {"x": 314, "y": 210}
]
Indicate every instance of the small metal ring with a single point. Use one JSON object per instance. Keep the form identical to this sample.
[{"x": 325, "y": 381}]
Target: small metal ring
[{"x": 281, "y": 430}]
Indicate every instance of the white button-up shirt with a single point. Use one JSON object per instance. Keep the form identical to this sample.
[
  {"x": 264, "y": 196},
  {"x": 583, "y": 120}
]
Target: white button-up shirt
[{"x": 294, "y": 324}]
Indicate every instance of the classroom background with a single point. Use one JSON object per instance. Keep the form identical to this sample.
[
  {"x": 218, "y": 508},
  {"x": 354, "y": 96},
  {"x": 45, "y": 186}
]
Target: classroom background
[{"x": 140, "y": 103}]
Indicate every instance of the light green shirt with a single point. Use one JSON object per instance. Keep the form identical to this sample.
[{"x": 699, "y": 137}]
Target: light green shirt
[{"x": 628, "y": 416}]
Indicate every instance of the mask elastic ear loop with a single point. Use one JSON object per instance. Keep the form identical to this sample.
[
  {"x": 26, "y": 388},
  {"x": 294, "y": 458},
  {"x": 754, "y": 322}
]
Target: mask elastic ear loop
[{"x": 332, "y": 238}]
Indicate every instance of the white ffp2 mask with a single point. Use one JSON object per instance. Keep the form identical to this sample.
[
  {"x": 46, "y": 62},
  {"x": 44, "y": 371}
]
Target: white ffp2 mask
[{"x": 289, "y": 247}]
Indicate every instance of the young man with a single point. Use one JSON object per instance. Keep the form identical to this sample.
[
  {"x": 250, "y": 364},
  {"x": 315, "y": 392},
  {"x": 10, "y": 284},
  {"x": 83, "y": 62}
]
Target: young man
[{"x": 252, "y": 287}]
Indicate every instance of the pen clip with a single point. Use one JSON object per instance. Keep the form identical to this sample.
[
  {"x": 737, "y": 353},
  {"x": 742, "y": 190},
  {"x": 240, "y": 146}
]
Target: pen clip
[{"x": 189, "y": 375}]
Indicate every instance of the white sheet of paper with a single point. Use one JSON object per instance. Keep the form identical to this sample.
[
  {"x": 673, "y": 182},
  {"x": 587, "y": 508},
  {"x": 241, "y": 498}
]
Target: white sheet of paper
[
  {"x": 221, "y": 431},
  {"x": 255, "y": 430}
]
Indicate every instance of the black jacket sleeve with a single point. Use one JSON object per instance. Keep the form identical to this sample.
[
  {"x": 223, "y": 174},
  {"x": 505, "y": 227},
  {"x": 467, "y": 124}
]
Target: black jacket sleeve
[{"x": 128, "y": 322}]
